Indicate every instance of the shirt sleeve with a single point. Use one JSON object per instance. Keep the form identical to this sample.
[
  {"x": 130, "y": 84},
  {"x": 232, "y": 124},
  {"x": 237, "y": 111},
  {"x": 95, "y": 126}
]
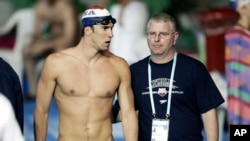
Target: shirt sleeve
[
  {"x": 207, "y": 94},
  {"x": 9, "y": 128}
]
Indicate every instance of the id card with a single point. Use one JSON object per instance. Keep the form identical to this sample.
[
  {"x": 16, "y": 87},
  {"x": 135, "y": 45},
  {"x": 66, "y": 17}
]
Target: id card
[{"x": 160, "y": 129}]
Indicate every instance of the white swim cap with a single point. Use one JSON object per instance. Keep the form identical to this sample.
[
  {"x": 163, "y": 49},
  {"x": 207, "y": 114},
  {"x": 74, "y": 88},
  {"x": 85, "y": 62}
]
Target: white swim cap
[{"x": 96, "y": 15}]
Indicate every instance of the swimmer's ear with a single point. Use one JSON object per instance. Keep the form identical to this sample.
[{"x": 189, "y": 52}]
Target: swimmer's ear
[{"x": 88, "y": 30}]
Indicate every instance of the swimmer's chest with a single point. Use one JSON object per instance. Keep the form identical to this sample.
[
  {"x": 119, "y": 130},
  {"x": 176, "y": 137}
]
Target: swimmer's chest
[{"x": 89, "y": 83}]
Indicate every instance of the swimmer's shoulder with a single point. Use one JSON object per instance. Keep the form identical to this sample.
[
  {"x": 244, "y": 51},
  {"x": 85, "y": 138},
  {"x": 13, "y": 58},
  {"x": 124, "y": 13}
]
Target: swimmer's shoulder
[
  {"x": 113, "y": 58},
  {"x": 117, "y": 61},
  {"x": 60, "y": 56}
]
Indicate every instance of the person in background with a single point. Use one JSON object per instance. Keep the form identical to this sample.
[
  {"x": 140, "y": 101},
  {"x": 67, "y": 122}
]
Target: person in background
[
  {"x": 22, "y": 22},
  {"x": 237, "y": 52},
  {"x": 9, "y": 129},
  {"x": 83, "y": 81},
  {"x": 172, "y": 90},
  {"x": 60, "y": 20},
  {"x": 129, "y": 32},
  {"x": 10, "y": 86}
]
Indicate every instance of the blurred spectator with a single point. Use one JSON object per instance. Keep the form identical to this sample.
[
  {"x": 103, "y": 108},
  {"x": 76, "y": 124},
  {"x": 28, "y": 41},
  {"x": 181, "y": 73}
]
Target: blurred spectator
[
  {"x": 9, "y": 129},
  {"x": 107, "y": 3},
  {"x": 215, "y": 23},
  {"x": 129, "y": 32},
  {"x": 11, "y": 88},
  {"x": 21, "y": 21},
  {"x": 153, "y": 6},
  {"x": 237, "y": 63},
  {"x": 62, "y": 25},
  {"x": 157, "y": 6}
]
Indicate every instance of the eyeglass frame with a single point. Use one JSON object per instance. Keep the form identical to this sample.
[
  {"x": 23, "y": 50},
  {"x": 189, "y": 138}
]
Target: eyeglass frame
[{"x": 161, "y": 35}]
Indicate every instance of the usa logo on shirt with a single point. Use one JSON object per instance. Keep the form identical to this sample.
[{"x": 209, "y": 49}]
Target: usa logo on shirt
[{"x": 162, "y": 92}]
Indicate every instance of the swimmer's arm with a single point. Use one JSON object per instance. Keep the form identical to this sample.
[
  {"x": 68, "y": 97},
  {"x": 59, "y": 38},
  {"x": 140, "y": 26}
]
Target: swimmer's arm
[
  {"x": 126, "y": 101},
  {"x": 116, "y": 114},
  {"x": 45, "y": 91},
  {"x": 210, "y": 125}
]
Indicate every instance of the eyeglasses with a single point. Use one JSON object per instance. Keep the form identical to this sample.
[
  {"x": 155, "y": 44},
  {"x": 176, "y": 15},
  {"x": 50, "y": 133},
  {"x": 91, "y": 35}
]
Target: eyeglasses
[{"x": 161, "y": 35}]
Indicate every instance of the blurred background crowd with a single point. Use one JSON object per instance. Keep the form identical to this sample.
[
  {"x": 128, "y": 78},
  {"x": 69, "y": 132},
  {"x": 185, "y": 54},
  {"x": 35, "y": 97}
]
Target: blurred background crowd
[{"x": 201, "y": 25}]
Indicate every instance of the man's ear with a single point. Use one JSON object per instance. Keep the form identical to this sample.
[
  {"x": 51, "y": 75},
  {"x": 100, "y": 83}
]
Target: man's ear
[
  {"x": 88, "y": 30},
  {"x": 176, "y": 36}
]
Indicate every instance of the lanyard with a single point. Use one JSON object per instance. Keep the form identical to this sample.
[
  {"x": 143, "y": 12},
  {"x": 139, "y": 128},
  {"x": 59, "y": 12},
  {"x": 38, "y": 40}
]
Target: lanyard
[{"x": 169, "y": 90}]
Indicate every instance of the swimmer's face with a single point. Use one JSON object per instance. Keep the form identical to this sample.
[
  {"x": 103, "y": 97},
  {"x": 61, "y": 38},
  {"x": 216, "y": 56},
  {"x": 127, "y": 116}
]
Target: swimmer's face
[{"x": 102, "y": 35}]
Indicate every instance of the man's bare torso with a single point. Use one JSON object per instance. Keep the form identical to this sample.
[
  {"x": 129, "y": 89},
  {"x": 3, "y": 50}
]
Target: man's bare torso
[{"x": 84, "y": 94}]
